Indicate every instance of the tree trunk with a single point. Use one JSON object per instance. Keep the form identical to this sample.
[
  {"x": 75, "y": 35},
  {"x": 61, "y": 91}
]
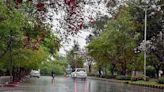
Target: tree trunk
[
  {"x": 13, "y": 75},
  {"x": 100, "y": 75},
  {"x": 105, "y": 71},
  {"x": 112, "y": 69},
  {"x": 90, "y": 67},
  {"x": 123, "y": 69},
  {"x": 157, "y": 72}
]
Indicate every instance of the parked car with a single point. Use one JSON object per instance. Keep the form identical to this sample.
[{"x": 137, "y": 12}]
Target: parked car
[
  {"x": 79, "y": 73},
  {"x": 35, "y": 73}
]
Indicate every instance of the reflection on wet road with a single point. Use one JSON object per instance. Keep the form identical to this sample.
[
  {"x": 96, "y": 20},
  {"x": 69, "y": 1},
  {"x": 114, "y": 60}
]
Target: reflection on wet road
[{"x": 61, "y": 84}]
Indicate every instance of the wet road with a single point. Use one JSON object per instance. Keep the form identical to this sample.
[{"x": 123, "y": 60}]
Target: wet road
[{"x": 61, "y": 84}]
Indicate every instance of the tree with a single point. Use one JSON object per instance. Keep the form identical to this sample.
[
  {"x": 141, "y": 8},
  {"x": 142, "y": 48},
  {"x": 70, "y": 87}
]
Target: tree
[
  {"x": 154, "y": 26},
  {"x": 109, "y": 46},
  {"x": 25, "y": 42},
  {"x": 154, "y": 30},
  {"x": 156, "y": 51},
  {"x": 157, "y": 65},
  {"x": 73, "y": 12},
  {"x": 97, "y": 51},
  {"x": 57, "y": 66},
  {"x": 74, "y": 58},
  {"x": 11, "y": 20},
  {"x": 157, "y": 46},
  {"x": 154, "y": 19}
]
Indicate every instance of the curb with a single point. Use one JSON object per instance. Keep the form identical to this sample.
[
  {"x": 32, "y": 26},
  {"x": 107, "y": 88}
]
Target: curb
[
  {"x": 146, "y": 85},
  {"x": 110, "y": 80},
  {"x": 1, "y": 85},
  {"x": 10, "y": 84},
  {"x": 15, "y": 84}
]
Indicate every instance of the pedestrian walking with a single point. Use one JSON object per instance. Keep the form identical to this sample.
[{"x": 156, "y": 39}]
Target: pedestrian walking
[{"x": 53, "y": 75}]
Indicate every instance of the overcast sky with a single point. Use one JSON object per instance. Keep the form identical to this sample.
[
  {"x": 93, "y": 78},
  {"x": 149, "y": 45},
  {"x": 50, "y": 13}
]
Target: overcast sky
[{"x": 80, "y": 38}]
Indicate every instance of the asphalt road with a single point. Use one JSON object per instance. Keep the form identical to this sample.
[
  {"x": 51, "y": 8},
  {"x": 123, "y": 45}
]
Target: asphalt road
[{"x": 61, "y": 84}]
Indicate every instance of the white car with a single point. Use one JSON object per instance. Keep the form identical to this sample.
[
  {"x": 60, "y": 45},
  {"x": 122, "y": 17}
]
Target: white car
[
  {"x": 35, "y": 73},
  {"x": 79, "y": 73}
]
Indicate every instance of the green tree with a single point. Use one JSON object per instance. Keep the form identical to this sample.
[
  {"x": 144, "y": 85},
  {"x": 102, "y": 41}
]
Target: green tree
[
  {"x": 74, "y": 58},
  {"x": 154, "y": 24},
  {"x": 116, "y": 44},
  {"x": 56, "y": 66},
  {"x": 25, "y": 42},
  {"x": 11, "y": 20}
]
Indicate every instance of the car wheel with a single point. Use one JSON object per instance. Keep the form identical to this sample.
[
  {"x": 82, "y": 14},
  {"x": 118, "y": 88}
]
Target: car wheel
[
  {"x": 84, "y": 78},
  {"x": 73, "y": 78}
]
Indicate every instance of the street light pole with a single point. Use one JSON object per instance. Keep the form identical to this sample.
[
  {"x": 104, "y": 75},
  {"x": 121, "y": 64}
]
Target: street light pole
[
  {"x": 145, "y": 8},
  {"x": 145, "y": 50},
  {"x": 145, "y": 36}
]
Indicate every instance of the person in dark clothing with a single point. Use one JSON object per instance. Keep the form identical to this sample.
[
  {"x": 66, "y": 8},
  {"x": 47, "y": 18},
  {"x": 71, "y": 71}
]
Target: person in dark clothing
[{"x": 53, "y": 75}]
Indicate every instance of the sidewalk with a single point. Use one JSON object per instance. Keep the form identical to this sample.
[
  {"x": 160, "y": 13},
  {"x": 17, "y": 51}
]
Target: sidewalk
[{"x": 4, "y": 80}]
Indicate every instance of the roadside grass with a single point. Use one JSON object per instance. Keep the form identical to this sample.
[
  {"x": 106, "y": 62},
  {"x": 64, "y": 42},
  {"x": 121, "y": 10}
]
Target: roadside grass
[
  {"x": 147, "y": 82},
  {"x": 151, "y": 83}
]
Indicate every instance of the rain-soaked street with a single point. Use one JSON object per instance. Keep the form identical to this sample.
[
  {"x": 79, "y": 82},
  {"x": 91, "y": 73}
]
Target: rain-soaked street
[{"x": 61, "y": 84}]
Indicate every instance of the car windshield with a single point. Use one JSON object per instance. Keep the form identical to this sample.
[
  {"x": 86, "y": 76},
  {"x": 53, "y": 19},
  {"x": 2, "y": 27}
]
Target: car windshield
[{"x": 78, "y": 70}]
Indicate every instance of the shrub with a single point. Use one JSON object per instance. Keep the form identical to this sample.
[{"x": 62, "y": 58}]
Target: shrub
[
  {"x": 110, "y": 76},
  {"x": 91, "y": 74},
  {"x": 123, "y": 77},
  {"x": 136, "y": 78},
  {"x": 150, "y": 71},
  {"x": 161, "y": 80}
]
